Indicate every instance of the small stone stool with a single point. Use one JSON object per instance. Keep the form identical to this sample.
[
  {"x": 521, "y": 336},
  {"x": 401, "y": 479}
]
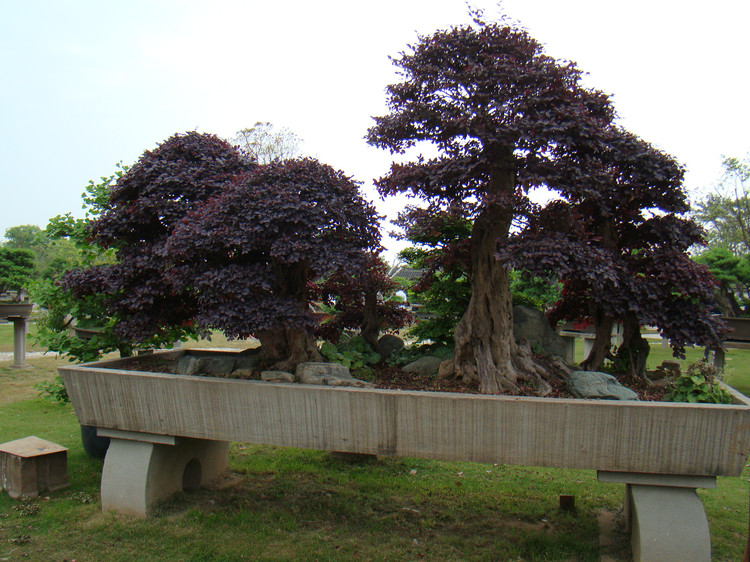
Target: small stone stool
[{"x": 30, "y": 465}]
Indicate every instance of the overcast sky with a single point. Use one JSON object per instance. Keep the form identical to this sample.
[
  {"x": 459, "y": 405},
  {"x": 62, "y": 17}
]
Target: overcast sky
[{"x": 86, "y": 84}]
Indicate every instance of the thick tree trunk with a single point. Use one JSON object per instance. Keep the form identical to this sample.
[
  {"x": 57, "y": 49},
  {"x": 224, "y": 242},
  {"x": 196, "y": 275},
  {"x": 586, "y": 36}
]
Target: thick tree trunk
[
  {"x": 486, "y": 351},
  {"x": 602, "y": 347},
  {"x": 634, "y": 347},
  {"x": 370, "y": 327},
  {"x": 287, "y": 347}
]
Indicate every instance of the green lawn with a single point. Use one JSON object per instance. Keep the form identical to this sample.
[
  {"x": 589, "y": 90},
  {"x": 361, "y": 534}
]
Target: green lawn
[
  {"x": 737, "y": 362},
  {"x": 291, "y": 504},
  {"x": 6, "y": 338}
]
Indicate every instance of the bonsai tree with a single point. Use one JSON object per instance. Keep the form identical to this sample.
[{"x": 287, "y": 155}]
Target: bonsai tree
[
  {"x": 440, "y": 250},
  {"x": 501, "y": 114},
  {"x": 16, "y": 269},
  {"x": 732, "y": 275},
  {"x": 206, "y": 239},
  {"x": 134, "y": 218},
  {"x": 248, "y": 255},
  {"x": 620, "y": 243}
]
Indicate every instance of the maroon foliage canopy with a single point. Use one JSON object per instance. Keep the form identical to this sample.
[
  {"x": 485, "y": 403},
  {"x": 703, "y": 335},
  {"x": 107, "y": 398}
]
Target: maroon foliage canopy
[
  {"x": 205, "y": 237},
  {"x": 249, "y": 253}
]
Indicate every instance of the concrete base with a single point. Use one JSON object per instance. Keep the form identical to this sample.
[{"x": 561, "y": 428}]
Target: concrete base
[
  {"x": 141, "y": 469},
  {"x": 665, "y": 515}
]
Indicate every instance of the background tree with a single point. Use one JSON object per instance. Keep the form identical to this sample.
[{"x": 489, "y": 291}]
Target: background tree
[
  {"x": 22, "y": 237},
  {"x": 732, "y": 274},
  {"x": 263, "y": 143},
  {"x": 493, "y": 105},
  {"x": 726, "y": 212},
  {"x": 249, "y": 254},
  {"x": 51, "y": 256}
]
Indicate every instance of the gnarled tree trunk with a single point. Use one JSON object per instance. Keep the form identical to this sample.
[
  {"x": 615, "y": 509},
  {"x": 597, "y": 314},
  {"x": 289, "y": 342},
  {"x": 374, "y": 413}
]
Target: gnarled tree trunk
[
  {"x": 286, "y": 348},
  {"x": 370, "y": 326},
  {"x": 486, "y": 351},
  {"x": 602, "y": 347},
  {"x": 634, "y": 347}
]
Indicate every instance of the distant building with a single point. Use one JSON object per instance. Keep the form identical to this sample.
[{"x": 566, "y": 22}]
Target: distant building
[{"x": 404, "y": 272}]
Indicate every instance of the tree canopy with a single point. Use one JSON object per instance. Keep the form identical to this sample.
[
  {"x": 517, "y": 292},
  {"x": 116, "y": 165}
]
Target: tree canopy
[
  {"x": 206, "y": 239},
  {"x": 16, "y": 269},
  {"x": 620, "y": 242},
  {"x": 504, "y": 117},
  {"x": 726, "y": 211}
]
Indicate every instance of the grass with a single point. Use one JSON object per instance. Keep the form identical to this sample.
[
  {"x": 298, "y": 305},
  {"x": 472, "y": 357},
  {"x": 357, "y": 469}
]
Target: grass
[
  {"x": 6, "y": 338},
  {"x": 736, "y": 370},
  {"x": 292, "y": 504}
]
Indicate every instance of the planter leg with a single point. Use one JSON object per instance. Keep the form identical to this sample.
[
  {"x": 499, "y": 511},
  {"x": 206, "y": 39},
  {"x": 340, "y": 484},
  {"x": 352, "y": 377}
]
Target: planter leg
[
  {"x": 142, "y": 469},
  {"x": 19, "y": 343},
  {"x": 665, "y": 515}
]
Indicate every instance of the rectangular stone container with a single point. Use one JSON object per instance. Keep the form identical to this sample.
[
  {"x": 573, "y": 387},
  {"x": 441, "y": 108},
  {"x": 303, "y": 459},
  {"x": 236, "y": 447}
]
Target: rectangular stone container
[{"x": 627, "y": 436}]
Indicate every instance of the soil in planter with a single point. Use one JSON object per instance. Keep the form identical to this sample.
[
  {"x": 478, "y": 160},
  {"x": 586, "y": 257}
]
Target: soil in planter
[{"x": 392, "y": 377}]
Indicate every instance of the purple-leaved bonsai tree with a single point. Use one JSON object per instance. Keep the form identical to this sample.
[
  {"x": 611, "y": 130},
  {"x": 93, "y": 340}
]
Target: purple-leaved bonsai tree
[{"x": 208, "y": 240}]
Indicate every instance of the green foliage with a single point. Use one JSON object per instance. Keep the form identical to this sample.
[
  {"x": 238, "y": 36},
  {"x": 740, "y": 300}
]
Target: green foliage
[
  {"x": 22, "y": 237},
  {"x": 352, "y": 352},
  {"x": 700, "y": 383},
  {"x": 444, "y": 299},
  {"x": 535, "y": 292},
  {"x": 16, "y": 269},
  {"x": 54, "y": 390},
  {"x": 725, "y": 213},
  {"x": 732, "y": 273},
  {"x": 413, "y": 352}
]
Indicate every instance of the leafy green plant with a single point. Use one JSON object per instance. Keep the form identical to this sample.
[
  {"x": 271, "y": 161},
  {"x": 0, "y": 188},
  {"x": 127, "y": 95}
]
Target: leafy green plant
[
  {"x": 352, "y": 352},
  {"x": 700, "y": 383},
  {"x": 414, "y": 352},
  {"x": 54, "y": 390}
]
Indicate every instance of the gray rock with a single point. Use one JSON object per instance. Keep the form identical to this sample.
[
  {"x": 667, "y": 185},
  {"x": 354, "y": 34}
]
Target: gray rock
[
  {"x": 217, "y": 366},
  {"x": 390, "y": 344},
  {"x": 187, "y": 365},
  {"x": 310, "y": 378},
  {"x": 330, "y": 374},
  {"x": 322, "y": 369},
  {"x": 247, "y": 374},
  {"x": 531, "y": 325},
  {"x": 246, "y": 361},
  {"x": 424, "y": 366},
  {"x": 277, "y": 376},
  {"x": 592, "y": 384}
]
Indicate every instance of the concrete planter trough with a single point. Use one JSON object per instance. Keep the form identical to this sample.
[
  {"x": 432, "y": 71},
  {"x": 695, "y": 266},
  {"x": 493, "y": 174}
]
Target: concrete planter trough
[{"x": 170, "y": 433}]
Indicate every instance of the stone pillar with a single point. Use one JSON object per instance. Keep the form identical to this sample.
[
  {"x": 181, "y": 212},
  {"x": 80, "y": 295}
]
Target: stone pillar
[
  {"x": 141, "y": 469},
  {"x": 19, "y": 341},
  {"x": 665, "y": 515}
]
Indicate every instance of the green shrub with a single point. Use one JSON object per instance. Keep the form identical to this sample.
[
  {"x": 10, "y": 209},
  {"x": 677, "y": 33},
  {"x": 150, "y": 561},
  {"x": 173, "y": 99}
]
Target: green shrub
[
  {"x": 699, "y": 384},
  {"x": 352, "y": 352},
  {"x": 54, "y": 390}
]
